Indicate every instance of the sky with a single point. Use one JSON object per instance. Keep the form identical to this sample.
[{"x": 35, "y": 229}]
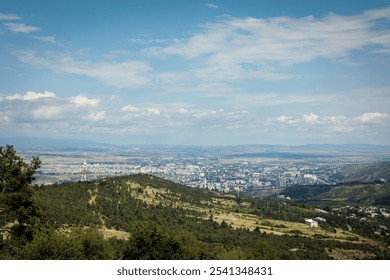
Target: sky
[{"x": 196, "y": 72}]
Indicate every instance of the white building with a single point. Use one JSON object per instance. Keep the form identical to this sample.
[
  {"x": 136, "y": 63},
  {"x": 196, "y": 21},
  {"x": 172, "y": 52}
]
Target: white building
[{"x": 311, "y": 223}]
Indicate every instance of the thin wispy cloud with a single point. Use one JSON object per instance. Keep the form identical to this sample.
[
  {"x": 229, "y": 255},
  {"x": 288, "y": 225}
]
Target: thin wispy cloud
[
  {"x": 236, "y": 49},
  {"x": 233, "y": 42},
  {"x": 126, "y": 74},
  {"x": 21, "y": 27},
  {"x": 211, "y": 5},
  {"x": 31, "y": 96},
  {"x": 46, "y": 39},
  {"x": 9, "y": 17}
]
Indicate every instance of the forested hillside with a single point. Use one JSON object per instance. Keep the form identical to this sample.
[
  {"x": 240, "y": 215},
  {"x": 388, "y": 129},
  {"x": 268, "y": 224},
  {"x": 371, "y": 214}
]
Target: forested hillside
[
  {"x": 368, "y": 172},
  {"x": 146, "y": 217},
  {"x": 363, "y": 194}
]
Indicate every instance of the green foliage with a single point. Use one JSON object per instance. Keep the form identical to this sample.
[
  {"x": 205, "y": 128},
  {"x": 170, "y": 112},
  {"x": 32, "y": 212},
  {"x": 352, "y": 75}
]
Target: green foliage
[
  {"x": 264, "y": 250},
  {"x": 363, "y": 194},
  {"x": 15, "y": 192},
  {"x": 150, "y": 242},
  {"x": 66, "y": 204},
  {"x": 79, "y": 244}
]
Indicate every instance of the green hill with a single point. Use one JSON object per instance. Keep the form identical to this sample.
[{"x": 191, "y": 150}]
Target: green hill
[
  {"x": 368, "y": 172},
  {"x": 146, "y": 217},
  {"x": 357, "y": 194}
]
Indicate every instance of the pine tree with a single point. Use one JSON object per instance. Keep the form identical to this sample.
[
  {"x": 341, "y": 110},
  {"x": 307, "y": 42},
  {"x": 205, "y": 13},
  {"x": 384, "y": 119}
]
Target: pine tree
[{"x": 16, "y": 201}]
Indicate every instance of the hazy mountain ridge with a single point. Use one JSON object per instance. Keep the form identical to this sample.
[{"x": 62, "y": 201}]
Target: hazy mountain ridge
[{"x": 73, "y": 143}]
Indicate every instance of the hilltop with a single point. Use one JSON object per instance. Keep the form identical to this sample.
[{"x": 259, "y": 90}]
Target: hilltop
[{"x": 146, "y": 217}]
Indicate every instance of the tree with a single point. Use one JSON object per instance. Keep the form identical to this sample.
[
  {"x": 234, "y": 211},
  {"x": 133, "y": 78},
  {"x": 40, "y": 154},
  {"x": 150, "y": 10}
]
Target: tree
[
  {"x": 149, "y": 242},
  {"x": 15, "y": 192}
]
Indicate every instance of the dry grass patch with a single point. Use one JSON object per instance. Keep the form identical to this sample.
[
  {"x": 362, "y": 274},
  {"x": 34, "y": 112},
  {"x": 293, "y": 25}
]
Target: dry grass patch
[
  {"x": 147, "y": 194},
  {"x": 237, "y": 220},
  {"x": 279, "y": 227},
  {"x": 109, "y": 233},
  {"x": 93, "y": 194},
  {"x": 154, "y": 196}
]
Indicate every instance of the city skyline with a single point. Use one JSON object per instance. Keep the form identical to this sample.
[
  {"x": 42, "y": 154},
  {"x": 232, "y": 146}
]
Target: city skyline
[{"x": 196, "y": 72}]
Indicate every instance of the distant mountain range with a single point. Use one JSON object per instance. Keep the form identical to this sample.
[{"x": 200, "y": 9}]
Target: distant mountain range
[
  {"x": 60, "y": 143},
  {"x": 40, "y": 143}
]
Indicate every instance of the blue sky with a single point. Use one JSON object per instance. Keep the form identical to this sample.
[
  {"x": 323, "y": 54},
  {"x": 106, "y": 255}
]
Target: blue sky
[{"x": 196, "y": 72}]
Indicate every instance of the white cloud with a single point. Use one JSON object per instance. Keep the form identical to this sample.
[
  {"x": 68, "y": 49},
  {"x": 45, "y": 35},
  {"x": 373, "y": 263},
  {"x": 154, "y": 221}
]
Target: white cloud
[
  {"x": 332, "y": 125},
  {"x": 31, "y": 96},
  {"x": 97, "y": 116},
  {"x": 53, "y": 108},
  {"x": 259, "y": 48},
  {"x": 153, "y": 111},
  {"x": 4, "y": 117},
  {"x": 174, "y": 115},
  {"x": 128, "y": 74},
  {"x": 183, "y": 111},
  {"x": 338, "y": 124},
  {"x": 285, "y": 119},
  {"x": 48, "y": 112},
  {"x": 211, "y": 5},
  {"x": 312, "y": 122},
  {"x": 282, "y": 119},
  {"x": 373, "y": 118},
  {"x": 20, "y": 27},
  {"x": 341, "y": 128},
  {"x": 310, "y": 118},
  {"x": 82, "y": 101},
  {"x": 200, "y": 115},
  {"x": 46, "y": 39},
  {"x": 9, "y": 17},
  {"x": 129, "y": 109}
]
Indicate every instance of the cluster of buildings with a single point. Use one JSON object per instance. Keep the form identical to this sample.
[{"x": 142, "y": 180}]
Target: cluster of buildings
[
  {"x": 361, "y": 212},
  {"x": 202, "y": 171},
  {"x": 221, "y": 176}
]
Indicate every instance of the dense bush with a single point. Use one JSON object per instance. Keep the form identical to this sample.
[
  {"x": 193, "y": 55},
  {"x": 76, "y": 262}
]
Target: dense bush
[{"x": 78, "y": 244}]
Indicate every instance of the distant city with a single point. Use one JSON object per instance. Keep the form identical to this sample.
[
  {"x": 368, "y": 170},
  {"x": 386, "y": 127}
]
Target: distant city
[{"x": 247, "y": 169}]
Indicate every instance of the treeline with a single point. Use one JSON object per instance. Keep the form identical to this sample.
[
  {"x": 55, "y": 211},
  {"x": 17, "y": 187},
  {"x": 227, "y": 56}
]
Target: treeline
[{"x": 155, "y": 242}]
